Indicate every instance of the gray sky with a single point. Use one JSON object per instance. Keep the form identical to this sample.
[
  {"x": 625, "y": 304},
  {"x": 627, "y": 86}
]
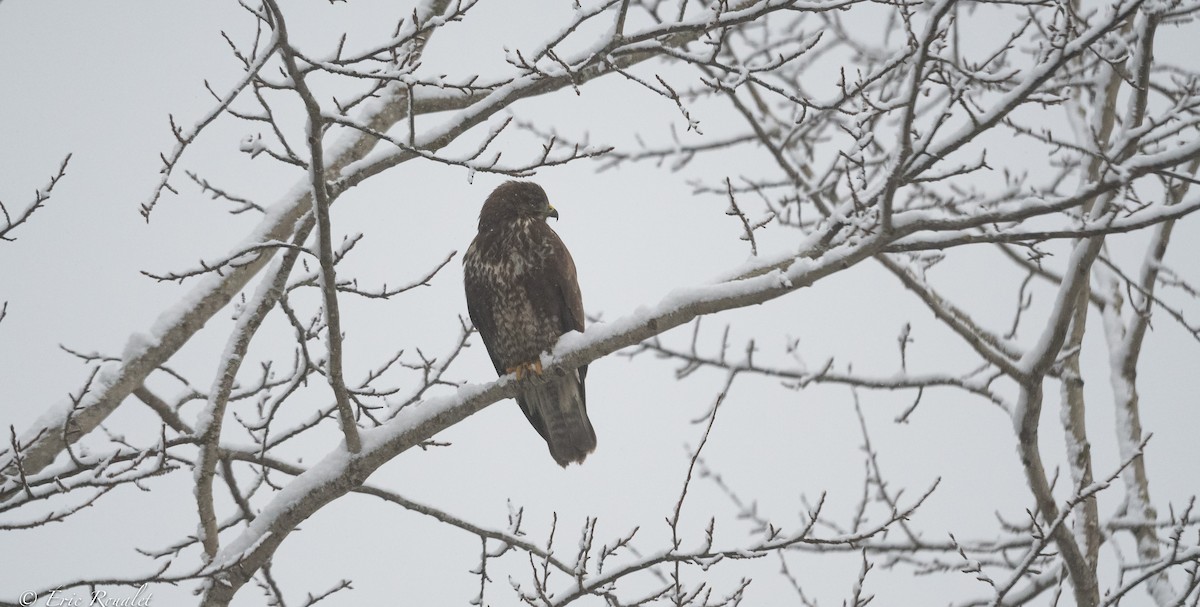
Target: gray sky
[{"x": 98, "y": 80}]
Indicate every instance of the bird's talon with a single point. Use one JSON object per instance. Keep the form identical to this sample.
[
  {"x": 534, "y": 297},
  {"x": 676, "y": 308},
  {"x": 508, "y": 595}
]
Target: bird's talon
[{"x": 524, "y": 369}]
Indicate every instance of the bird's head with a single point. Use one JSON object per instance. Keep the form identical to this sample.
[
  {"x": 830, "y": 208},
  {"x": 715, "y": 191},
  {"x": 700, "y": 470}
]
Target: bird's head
[{"x": 515, "y": 201}]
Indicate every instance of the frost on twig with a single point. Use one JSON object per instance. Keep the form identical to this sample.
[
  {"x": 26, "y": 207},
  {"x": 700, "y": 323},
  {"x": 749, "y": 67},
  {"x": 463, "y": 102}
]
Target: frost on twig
[
  {"x": 14, "y": 219},
  {"x": 890, "y": 158}
]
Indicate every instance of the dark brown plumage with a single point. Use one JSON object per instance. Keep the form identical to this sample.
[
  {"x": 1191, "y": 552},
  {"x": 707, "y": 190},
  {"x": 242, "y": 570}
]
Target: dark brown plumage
[{"x": 522, "y": 295}]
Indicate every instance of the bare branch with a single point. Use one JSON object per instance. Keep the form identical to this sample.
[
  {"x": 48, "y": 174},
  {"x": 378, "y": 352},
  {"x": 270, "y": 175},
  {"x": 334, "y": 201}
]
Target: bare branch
[{"x": 39, "y": 199}]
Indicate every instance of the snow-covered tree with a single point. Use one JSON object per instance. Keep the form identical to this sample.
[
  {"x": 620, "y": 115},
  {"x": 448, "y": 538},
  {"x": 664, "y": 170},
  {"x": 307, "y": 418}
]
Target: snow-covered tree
[{"x": 946, "y": 204}]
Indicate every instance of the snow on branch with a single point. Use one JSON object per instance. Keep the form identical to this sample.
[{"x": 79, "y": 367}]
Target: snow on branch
[
  {"x": 341, "y": 470},
  {"x": 348, "y": 164},
  {"x": 183, "y": 139},
  {"x": 890, "y": 164},
  {"x": 39, "y": 198}
]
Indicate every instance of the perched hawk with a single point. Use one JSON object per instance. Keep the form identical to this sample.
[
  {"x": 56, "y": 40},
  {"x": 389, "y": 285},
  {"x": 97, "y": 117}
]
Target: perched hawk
[{"x": 522, "y": 295}]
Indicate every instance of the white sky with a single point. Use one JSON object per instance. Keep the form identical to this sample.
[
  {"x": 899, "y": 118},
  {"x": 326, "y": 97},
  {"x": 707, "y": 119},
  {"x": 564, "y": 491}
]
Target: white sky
[{"x": 98, "y": 80}]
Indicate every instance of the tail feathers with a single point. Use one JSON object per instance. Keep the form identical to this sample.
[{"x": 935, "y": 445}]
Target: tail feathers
[{"x": 557, "y": 411}]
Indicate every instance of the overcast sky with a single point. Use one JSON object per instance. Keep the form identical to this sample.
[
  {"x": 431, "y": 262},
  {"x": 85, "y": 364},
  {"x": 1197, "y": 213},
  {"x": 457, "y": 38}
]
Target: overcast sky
[{"x": 97, "y": 80}]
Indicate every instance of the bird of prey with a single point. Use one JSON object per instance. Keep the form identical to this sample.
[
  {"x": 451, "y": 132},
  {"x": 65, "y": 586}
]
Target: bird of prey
[{"x": 522, "y": 295}]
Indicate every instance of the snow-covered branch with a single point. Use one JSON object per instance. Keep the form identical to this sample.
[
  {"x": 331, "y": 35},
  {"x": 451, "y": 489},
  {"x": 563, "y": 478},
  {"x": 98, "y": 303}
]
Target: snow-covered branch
[{"x": 902, "y": 137}]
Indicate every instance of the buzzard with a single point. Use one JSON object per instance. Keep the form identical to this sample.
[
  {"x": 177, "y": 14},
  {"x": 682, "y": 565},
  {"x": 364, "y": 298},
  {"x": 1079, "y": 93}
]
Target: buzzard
[{"x": 522, "y": 295}]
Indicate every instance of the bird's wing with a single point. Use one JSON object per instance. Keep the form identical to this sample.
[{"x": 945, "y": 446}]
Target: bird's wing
[
  {"x": 569, "y": 298},
  {"x": 567, "y": 284},
  {"x": 480, "y": 301}
]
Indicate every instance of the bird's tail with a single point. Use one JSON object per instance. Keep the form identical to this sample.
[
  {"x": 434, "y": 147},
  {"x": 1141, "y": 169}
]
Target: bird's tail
[{"x": 556, "y": 406}]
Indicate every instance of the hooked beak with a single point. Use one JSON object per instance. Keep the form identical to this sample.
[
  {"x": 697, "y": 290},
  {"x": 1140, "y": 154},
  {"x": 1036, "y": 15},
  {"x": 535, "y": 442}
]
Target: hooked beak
[{"x": 552, "y": 212}]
